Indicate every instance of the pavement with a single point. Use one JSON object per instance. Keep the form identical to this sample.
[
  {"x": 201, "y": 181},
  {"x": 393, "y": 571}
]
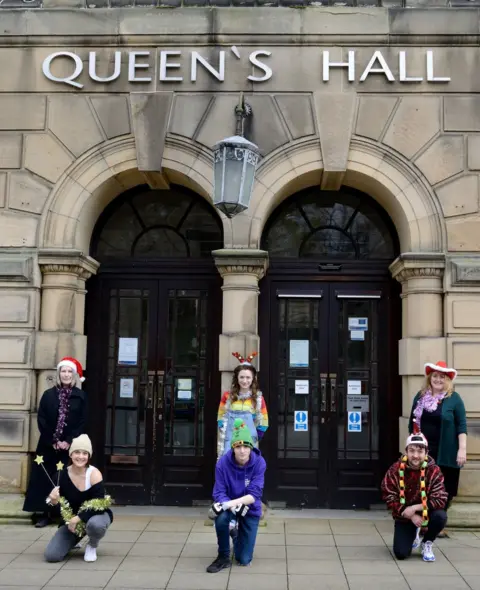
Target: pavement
[{"x": 295, "y": 551}]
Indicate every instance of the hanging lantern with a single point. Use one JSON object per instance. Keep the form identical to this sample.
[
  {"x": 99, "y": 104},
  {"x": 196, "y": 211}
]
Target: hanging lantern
[{"x": 234, "y": 161}]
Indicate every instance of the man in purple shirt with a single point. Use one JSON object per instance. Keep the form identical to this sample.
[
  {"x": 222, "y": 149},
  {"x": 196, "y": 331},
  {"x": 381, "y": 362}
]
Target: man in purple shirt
[{"x": 237, "y": 495}]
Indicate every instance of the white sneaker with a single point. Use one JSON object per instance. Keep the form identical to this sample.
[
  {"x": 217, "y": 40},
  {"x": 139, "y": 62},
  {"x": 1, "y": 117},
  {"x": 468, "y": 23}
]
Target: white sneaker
[
  {"x": 90, "y": 553},
  {"x": 427, "y": 551},
  {"x": 417, "y": 542}
]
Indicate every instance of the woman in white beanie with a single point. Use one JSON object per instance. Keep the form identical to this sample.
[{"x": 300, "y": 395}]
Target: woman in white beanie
[
  {"x": 83, "y": 504},
  {"x": 61, "y": 417}
]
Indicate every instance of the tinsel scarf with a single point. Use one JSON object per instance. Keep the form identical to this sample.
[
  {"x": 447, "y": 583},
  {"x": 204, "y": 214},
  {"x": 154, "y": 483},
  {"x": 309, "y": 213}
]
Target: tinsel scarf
[
  {"x": 97, "y": 504},
  {"x": 423, "y": 491}
]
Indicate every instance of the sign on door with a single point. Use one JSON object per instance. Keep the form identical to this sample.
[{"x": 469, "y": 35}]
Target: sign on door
[
  {"x": 354, "y": 422},
  {"x": 301, "y": 421}
]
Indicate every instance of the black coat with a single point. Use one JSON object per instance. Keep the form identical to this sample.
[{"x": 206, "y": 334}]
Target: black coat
[{"x": 39, "y": 485}]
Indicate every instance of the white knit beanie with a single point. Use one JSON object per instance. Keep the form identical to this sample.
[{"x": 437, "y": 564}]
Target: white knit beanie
[{"x": 81, "y": 443}]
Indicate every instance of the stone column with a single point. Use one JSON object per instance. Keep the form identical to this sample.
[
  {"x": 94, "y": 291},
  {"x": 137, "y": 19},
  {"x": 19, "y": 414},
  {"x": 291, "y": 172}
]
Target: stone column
[
  {"x": 421, "y": 277},
  {"x": 241, "y": 270},
  {"x": 62, "y": 310}
]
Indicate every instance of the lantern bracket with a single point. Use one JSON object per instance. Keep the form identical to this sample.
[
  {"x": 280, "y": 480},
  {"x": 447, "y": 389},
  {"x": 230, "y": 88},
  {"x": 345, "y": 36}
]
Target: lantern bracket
[{"x": 242, "y": 111}]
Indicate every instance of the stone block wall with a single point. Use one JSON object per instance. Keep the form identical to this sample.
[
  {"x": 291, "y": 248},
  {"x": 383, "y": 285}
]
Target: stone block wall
[{"x": 65, "y": 153}]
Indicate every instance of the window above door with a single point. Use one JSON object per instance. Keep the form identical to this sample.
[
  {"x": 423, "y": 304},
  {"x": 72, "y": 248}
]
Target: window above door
[
  {"x": 346, "y": 225},
  {"x": 149, "y": 224}
]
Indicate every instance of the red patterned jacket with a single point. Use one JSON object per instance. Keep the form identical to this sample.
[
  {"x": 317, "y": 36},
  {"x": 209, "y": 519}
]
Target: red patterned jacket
[{"x": 436, "y": 494}]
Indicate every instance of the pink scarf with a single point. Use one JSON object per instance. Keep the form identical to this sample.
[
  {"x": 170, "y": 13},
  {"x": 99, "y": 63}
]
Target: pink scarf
[{"x": 428, "y": 402}]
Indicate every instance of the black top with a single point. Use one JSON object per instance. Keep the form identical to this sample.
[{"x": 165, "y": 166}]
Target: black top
[
  {"x": 431, "y": 425},
  {"x": 76, "y": 498},
  {"x": 48, "y": 415}
]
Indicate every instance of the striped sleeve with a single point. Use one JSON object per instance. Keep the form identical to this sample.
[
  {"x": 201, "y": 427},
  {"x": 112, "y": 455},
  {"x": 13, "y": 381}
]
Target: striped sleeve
[
  {"x": 436, "y": 495},
  {"x": 391, "y": 491},
  {"x": 222, "y": 408},
  {"x": 261, "y": 418}
]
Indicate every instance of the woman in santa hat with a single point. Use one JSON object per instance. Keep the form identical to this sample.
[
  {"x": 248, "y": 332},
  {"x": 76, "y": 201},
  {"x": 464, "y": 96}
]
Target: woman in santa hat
[
  {"x": 61, "y": 417},
  {"x": 439, "y": 413}
]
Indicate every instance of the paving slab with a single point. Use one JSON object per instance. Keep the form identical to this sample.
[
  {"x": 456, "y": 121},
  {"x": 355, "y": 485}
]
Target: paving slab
[
  {"x": 312, "y": 582},
  {"x": 171, "y": 553},
  {"x": 368, "y": 582}
]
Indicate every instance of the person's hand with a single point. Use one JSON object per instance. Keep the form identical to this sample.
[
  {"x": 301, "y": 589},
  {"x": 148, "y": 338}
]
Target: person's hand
[
  {"x": 54, "y": 495},
  {"x": 409, "y": 512},
  {"x": 72, "y": 523},
  {"x": 226, "y": 505},
  {"x": 240, "y": 510},
  {"x": 216, "y": 508},
  {"x": 417, "y": 520},
  {"x": 461, "y": 457}
]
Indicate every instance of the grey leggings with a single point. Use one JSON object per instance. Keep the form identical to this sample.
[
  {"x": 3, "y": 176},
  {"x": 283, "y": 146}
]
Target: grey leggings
[{"x": 63, "y": 540}]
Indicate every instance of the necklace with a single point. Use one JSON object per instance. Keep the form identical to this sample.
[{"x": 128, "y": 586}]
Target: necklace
[{"x": 423, "y": 490}]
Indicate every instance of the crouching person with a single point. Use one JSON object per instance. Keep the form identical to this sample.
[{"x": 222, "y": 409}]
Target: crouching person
[
  {"x": 84, "y": 507},
  {"x": 414, "y": 491},
  {"x": 237, "y": 507}
]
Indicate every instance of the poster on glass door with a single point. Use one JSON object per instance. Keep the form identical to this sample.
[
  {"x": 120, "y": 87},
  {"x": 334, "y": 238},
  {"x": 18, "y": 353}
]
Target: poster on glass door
[{"x": 298, "y": 354}]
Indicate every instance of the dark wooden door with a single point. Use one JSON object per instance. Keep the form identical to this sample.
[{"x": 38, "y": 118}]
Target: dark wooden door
[
  {"x": 155, "y": 362},
  {"x": 328, "y": 339}
]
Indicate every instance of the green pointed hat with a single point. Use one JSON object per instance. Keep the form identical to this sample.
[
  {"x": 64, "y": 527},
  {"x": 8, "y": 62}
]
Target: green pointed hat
[{"x": 241, "y": 434}]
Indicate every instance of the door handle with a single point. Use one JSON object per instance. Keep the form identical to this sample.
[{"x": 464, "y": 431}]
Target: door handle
[
  {"x": 323, "y": 392},
  {"x": 150, "y": 385},
  {"x": 333, "y": 392}
]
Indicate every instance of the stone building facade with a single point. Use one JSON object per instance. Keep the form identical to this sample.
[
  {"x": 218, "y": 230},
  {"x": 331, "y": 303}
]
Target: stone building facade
[{"x": 380, "y": 100}]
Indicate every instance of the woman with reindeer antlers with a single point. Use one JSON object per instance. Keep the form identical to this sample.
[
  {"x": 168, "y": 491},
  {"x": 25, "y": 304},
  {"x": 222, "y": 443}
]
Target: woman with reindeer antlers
[{"x": 245, "y": 401}]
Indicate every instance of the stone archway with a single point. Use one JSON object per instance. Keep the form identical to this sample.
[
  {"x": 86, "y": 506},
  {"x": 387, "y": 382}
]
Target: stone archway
[
  {"x": 101, "y": 174},
  {"x": 80, "y": 195},
  {"x": 393, "y": 181}
]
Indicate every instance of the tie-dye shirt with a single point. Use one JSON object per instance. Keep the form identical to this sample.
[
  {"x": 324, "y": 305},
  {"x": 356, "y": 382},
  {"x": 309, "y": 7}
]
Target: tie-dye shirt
[{"x": 245, "y": 404}]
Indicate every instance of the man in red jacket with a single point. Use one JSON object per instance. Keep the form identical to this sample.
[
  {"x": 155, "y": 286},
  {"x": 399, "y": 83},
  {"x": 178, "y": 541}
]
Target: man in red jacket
[{"x": 414, "y": 491}]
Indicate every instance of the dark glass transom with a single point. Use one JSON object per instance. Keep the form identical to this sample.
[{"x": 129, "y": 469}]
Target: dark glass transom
[
  {"x": 146, "y": 224},
  {"x": 327, "y": 224}
]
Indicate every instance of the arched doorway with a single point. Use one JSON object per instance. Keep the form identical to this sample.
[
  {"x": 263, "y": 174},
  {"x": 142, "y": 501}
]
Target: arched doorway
[
  {"x": 330, "y": 325},
  {"x": 153, "y": 319}
]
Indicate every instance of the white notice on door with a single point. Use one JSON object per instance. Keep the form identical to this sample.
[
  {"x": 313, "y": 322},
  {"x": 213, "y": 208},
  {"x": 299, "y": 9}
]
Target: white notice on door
[
  {"x": 128, "y": 351},
  {"x": 298, "y": 353},
  {"x": 354, "y": 387},
  {"x": 357, "y": 335},
  {"x": 301, "y": 386},
  {"x": 126, "y": 388}
]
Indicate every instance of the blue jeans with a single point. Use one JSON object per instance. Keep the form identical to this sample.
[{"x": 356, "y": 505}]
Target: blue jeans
[{"x": 247, "y": 535}]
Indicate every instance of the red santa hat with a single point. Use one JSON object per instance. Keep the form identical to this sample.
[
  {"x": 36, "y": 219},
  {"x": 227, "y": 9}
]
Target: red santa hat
[
  {"x": 75, "y": 365},
  {"x": 440, "y": 367}
]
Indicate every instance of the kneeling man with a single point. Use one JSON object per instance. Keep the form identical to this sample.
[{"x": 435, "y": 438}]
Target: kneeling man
[
  {"x": 414, "y": 491},
  {"x": 237, "y": 495}
]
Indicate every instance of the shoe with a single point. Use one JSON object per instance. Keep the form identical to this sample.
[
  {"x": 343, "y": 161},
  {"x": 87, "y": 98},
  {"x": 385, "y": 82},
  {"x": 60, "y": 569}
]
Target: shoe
[
  {"x": 443, "y": 535},
  {"x": 219, "y": 564},
  {"x": 90, "y": 553},
  {"x": 42, "y": 522},
  {"x": 427, "y": 551},
  {"x": 416, "y": 543}
]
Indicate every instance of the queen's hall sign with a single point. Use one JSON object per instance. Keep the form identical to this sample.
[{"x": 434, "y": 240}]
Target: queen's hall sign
[{"x": 178, "y": 66}]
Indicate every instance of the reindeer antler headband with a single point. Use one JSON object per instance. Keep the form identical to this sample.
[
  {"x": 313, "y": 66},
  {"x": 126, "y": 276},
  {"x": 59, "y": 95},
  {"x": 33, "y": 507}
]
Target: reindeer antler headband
[{"x": 245, "y": 361}]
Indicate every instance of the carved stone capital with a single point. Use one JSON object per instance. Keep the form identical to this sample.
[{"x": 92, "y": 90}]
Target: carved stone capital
[
  {"x": 417, "y": 266},
  {"x": 67, "y": 262},
  {"x": 241, "y": 262},
  {"x": 420, "y": 272}
]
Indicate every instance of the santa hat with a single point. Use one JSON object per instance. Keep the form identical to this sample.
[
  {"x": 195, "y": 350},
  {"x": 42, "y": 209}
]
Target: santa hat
[
  {"x": 440, "y": 367},
  {"x": 74, "y": 365},
  {"x": 245, "y": 361},
  {"x": 417, "y": 439}
]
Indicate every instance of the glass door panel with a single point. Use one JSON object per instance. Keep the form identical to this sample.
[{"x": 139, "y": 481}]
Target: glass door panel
[
  {"x": 186, "y": 359},
  {"x": 355, "y": 360}
]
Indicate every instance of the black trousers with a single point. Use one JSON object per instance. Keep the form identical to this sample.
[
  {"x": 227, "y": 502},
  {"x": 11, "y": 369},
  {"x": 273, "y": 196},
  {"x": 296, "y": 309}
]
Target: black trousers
[{"x": 405, "y": 532}]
